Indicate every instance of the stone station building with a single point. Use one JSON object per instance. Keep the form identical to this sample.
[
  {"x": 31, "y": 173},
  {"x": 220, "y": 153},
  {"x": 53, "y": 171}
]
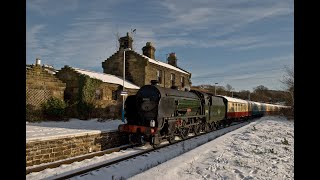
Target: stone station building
[{"x": 140, "y": 69}]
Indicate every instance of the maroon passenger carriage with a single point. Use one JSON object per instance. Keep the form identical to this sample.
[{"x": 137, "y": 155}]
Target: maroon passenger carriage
[{"x": 237, "y": 109}]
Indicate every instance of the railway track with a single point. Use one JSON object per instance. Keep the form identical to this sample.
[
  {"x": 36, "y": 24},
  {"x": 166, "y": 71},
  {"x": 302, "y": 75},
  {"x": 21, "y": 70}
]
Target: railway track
[
  {"x": 75, "y": 159},
  {"x": 86, "y": 170}
]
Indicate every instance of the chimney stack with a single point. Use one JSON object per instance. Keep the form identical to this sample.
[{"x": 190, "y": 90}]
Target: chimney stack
[
  {"x": 125, "y": 42},
  {"x": 172, "y": 59},
  {"x": 38, "y": 62},
  {"x": 149, "y": 50}
]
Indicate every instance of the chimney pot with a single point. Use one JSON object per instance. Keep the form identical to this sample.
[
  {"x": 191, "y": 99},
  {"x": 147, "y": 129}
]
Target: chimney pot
[
  {"x": 38, "y": 61},
  {"x": 149, "y": 50},
  {"x": 172, "y": 59}
]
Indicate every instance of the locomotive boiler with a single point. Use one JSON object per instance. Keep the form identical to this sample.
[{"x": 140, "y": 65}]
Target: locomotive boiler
[{"x": 156, "y": 113}]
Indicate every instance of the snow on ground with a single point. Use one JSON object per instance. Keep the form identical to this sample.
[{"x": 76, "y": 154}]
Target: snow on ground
[
  {"x": 54, "y": 129},
  {"x": 262, "y": 150},
  {"x": 132, "y": 166},
  {"x": 67, "y": 168}
]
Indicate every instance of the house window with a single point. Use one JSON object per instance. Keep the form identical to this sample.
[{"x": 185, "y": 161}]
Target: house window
[
  {"x": 159, "y": 76},
  {"x": 98, "y": 94},
  {"x": 114, "y": 95},
  {"x": 182, "y": 81},
  {"x": 173, "y": 77}
]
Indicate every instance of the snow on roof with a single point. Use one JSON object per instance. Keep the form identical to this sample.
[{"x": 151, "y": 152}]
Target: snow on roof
[
  {"x": 258, "y": 103},
  {"x": 107, "y": 78},
  {"x": 234, "y": 99},
  {"x": 163, "y": 64},
  {"x": 50, "y": 71}
]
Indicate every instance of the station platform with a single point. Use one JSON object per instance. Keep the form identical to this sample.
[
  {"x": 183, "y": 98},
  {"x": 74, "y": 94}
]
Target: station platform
[{"x": 55, "y": 140}]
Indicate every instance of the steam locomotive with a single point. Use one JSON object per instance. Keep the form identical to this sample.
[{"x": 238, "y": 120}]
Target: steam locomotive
[{"x": 157, "y": 114}]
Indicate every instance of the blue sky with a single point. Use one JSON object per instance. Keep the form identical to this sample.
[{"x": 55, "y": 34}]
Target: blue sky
[{"x": 244, "y": 43}]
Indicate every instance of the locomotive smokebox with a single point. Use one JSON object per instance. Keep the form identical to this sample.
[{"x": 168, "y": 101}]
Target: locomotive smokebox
[{"x": 154, "y": 82}]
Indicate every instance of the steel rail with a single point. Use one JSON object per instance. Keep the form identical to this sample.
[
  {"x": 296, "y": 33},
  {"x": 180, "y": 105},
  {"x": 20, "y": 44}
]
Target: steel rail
[{"x": 85, "y": 171}]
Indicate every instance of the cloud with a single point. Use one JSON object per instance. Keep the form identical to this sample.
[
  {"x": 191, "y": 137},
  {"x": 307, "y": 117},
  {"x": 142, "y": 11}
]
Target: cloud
[
  {"x": 263, "y": 45},
  {"x": 224, "y": 16},
  {"x": 32, "y": 41},
  {"x": 49, "y": 7},
  {"x": 246, "y": 75},
  {"x": 89, "y": 37},
  {"x": 35, "y": 45},
  {"x": 244, "y": 67}
]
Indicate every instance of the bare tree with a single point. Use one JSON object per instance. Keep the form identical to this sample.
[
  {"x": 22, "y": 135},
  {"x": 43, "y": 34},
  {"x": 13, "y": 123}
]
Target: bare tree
[
  {"x": 132, "y": 33},
  {"x": 260, "y": 89},
  {"x": 261, "y": 93},
  {"x": 117, "y": 37},
  {"x": 288, "y": 82},
  {"x": 229, "y": 88}
]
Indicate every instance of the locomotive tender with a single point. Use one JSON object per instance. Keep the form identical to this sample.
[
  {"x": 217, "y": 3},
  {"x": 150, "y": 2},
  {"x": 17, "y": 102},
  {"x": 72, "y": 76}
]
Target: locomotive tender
[{"x": 156, "y": 114}]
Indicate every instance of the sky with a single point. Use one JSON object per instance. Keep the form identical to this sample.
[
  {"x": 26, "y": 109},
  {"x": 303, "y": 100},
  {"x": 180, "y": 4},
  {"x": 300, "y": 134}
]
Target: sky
[
  {"x": 244, "y": 43},
  {"x": 255, "y": 150}
]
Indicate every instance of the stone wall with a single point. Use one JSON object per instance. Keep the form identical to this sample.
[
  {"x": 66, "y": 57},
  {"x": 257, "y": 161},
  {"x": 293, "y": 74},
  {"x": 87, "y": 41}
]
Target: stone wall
[
  {"x": 114, "y": 64},
  {"x": 135, "y": 67},
  {"x": 106, "y": 105},
  {"x": 71, "y": 78},
  {"x": 140, "y": 72},
  {"x": 151, "y": 74},
  {"x": 50, "y": 150},
  {"x": 41, "y": 85}
]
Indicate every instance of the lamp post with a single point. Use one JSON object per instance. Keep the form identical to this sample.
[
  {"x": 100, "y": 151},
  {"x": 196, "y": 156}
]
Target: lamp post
[
  {"x": 123, "y": 93},
  {"x": 215, "y": 88}
]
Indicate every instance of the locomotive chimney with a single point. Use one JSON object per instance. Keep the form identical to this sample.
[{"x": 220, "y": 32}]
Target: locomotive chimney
[
  {"x": 154, "y": 82},
  {"x": 174, "y": 87},
  {"x": 172, "y": 59}
]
